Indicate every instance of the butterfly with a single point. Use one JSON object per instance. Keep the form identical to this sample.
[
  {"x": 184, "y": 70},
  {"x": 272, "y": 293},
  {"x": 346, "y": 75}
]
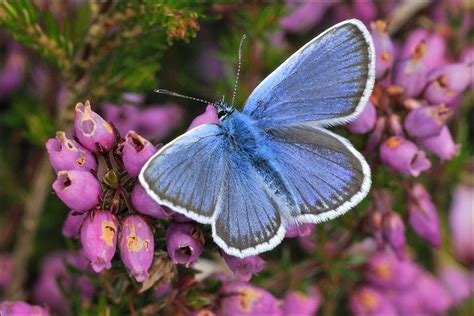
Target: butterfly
[{"x": 275, "y": 165}]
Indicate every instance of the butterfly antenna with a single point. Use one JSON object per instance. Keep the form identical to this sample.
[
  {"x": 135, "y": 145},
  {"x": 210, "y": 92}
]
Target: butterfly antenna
[
  {"x": 238, "y": 69},
  {"x": 174, "y": 94}
]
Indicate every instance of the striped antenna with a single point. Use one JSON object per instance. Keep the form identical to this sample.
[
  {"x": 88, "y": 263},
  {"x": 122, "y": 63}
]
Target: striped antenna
[
  {"x": 174, "y": 94},
  {"x": 238, "y": 69}
]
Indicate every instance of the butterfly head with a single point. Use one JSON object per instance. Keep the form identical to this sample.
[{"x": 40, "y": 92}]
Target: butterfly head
[{"x": 223, "y": 109}]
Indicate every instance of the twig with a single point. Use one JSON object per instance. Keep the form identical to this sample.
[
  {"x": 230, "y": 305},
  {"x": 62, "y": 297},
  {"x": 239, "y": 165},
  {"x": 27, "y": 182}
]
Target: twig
[{"x": 404, "y": 12}]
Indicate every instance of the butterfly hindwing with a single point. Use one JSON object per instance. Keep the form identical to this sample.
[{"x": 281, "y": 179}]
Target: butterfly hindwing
[
  {"x": 324, "y": 172},
  {"x": 327, "y": 82}
]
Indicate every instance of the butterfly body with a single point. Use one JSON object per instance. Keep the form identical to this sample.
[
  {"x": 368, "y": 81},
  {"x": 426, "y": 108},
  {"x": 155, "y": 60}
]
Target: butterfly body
[{"x": 274, "y": 164}]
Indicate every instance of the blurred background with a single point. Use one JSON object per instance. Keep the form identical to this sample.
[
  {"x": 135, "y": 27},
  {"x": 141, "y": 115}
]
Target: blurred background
[{"x": 407, "y": 249}]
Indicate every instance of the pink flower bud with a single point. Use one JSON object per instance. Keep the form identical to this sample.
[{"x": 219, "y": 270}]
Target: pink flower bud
[
  {"x": 185, "y": 242},
  {"x": 208, "y": 117},
  {"x": 423, "y": 216},
  {"x": 384, "y": 51},
  {"x": 156, "y": 122},
  {"x": 79, "y": 190},
  {"x": 458, "y": 283},
  {"x": 99, "y": 239},
  {"x": 136, "y": 151},
  {"x": 435, "y": 45},
  {"x": 67, "y": 154},
  {"x": 402, "y": 155},
  {"x": 298, "y": 304},
  {"x": 393, "y": 231},
  {"x": 461, "y": 223},
  {"x": 72, "y": 224},
  {"x": 304, "y": 15},
  {"x": 367, "y": 300},
  {"x": 136, "y": 246},
  {"x": 365, "y": 122},
  {"x": 447, "y": 82},
  {"x": 411, "y": 74},
  {"x": 244, "y": 268},
  {"x": 302, "y": 230},
  {"x": 146, "y": 205},
  {"x": 92, "y": 130},
  {"x": 376, "y": 136},
  {"x": 427, "y": 121},
  {"x": 238, "y": 298},
  {"x": 16, "y": 308},
  {"x": 441, "y": 145},
  {"x": 365, "y": 10},
  {"x": 124, "y": 117}
]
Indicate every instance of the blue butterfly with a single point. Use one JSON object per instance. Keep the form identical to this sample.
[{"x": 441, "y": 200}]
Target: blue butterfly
[{"x": 274, "y": 164}]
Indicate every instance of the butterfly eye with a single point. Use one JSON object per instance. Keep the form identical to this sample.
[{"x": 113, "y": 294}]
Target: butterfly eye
[{"x": 221, "y": 113}]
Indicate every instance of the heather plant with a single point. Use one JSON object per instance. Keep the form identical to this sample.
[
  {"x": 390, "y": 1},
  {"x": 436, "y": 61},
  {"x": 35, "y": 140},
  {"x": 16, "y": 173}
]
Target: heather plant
[{"x": 79, "y": 119}]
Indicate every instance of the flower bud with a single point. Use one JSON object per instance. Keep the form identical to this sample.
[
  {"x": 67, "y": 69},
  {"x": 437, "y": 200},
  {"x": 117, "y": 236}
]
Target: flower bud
[
  {"x": 393, "y": 231},
  {"x": 435, "y": 44},
  {"x": 21, "y": 308},
  {"x": 365, "y": 122},
  {"x": 79, "y": 190},
  {"x": 298, "y": 304},
  {"x": 427, "y": 121},
  {"x": 447, "y": 82},
  {"x": 441, "y": 145},
  {"x": 143, "y": 203},
  {"x": 367, "y": 300},
  {"x": 99, "y": 239},
  {"x": 124, "y": 117},
  {"x": 402, "y": 155},
  {"x": 208, "y": 117},
  {"x": 244, "y": 268},
  {"x": 13, "y": 68},
  {"x": 136, "y": 246},
  {"x": 411, "y": 74},
  {"x": 384, "y": 51},
  {"x": 156, "y": 122},
  {"x": 185, "y": 242},
  {"x": 457, "y": 282},
  {"x": 72, "y": 224},
  {"x": 376, "y": 136},
  {"x": 304, "y": 15},
  {"x": 461, "y": 222},
  {"x": 136, "y": 151},
  {"x": 467, "y": 57},
  {"x": 67, "y": 154},
  {"x": 301, "y": 230},
  {"x": 238, "y": 298},
  {"x": 423, "y": 216},
  {"x": 92, "y": 130}
]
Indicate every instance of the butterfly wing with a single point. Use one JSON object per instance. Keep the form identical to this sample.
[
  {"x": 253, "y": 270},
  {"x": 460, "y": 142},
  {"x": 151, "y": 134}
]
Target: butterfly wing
[
  {"x": 187, "y": 174},
  {"x": 327, "y": 82},
  {"x": 325, "y": 173}
]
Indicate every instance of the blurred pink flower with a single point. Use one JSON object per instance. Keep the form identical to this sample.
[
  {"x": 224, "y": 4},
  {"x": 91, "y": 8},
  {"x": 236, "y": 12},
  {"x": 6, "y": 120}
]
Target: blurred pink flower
[
  {"x": 305, "y": 14},
  {"x": 296, "y": 303},
  {"x": 461, "y": 222},
  {"x": 368, "y": 301},
  {"x": 457, "y": 282},
  {"x": 442, "y": 145}
]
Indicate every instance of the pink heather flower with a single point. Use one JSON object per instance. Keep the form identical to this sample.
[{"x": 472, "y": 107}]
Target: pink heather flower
[
  {"x": 305, "y": 15},
  {"x": 427, "y": 121},
  {"x": 423, "y": 216},
  {"x": 72, "y": 224},
  {"x": 92, "y": 130},
  {"x": 208, "y": 117},
  {"x": 376, "y": 136},
  {"x": 447, "y": 82},
  {"x": 411, "y": 74},
  {"x": 435, "y": 298},
  {"x": 184, "y": 242},
  {"x": 67, "y": 154},
  {"x": 13, "y": 69},
  {"x": 15, "y": 308},
  {"x": 132, "y": 97},
  {"x": 457, "y": 282},
  {"x": 298, "y": 304},
  {"x": 402, "y": 155},
  {"x": 461, "y": 223},
  {"x": 441, "y": 145},
  {"x": 157, "y": 122},
  {"x": 6, "y": 269},
  {"x": 136, "y": 151},
  {"x": 238, "y": 298},
  {"x": 367, "y": 301},
  {"x": 99, "y": 239},
  {"x": 79, "y": 190},
  {"x": 143, "y": 203},
  {"x": 393, "y": 231},
  {"x": 384, "y": 51},
  {"x": 435, "y": 46},
  {"x": 302, "y": 230},
  {"x": 56, "y": 281},
  {"x": 136, "y": 246},
  {"x": 244, "y": 268},
  {"x": 124, "y": 117},
  {"x": 365, "y": 10},
  {"x": 385, "y": 271},
  {"x": 365, "y": 122}
]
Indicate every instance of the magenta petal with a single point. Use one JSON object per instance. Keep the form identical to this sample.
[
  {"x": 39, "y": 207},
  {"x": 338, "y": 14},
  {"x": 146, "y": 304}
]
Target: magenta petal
[
  {"x": 441, "y": 145},
  {"x": 208, "y": 117},
  {"x": 136, "y": 151},
  {"x": 79, "y": 190},
  {"x": 146, "y": 205}
]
